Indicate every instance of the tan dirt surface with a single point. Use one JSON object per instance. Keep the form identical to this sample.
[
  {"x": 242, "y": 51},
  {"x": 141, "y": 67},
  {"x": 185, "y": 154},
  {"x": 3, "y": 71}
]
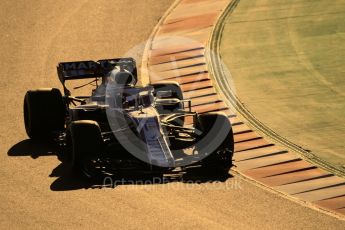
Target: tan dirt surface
[{"x": 37, "y": 192}]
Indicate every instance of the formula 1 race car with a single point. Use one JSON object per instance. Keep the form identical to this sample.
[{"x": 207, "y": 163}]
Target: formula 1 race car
[{"x": 122, "y": 128}]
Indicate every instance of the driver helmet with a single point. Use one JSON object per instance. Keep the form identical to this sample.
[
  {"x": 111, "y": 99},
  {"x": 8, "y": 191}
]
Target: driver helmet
[{"x": 121, "y": 77}]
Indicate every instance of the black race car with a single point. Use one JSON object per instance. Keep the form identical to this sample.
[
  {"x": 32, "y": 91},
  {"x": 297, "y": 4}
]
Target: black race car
[{"x": 122, "y": 128}]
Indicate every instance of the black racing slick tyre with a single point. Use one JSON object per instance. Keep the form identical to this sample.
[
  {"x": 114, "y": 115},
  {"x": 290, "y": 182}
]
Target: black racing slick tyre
[
  {"x": 86, "y": 145},
  {"x": 44, "y": 112},
  {"x": 216, "y": 141}
]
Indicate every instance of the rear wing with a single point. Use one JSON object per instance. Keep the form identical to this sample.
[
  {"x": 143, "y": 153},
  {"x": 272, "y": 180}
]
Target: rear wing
[{"x": 94, "y": 69}]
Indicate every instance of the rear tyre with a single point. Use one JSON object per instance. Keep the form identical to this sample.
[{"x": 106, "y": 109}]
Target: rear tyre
[
  {"x": 216, "y": 141},
  {"x": 44, "y": 113},
  {"x": 86, "y": 146}
]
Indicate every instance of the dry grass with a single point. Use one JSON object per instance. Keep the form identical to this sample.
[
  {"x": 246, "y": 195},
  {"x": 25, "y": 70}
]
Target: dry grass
[{"x": 287, "y": 60}]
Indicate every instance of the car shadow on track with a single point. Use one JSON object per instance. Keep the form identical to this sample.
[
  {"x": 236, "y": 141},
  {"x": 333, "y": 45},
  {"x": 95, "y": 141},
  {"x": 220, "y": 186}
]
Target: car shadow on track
[
  {"x": 33, "y": 148},
  {"x": 68, "y": 180},
  {"x": 72, "y": 181},
  {"x": 36, "y": 149}
]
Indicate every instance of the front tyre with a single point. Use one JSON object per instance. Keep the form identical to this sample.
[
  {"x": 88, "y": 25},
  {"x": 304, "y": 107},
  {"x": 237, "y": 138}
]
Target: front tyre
[
  {"x": 216, "y": 142},
  {"x": 86, "y": 146}
]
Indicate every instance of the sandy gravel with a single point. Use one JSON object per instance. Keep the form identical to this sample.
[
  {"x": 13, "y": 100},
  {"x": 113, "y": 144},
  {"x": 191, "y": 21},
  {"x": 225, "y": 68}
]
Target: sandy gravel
[{"x": 37, "y": 192}]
